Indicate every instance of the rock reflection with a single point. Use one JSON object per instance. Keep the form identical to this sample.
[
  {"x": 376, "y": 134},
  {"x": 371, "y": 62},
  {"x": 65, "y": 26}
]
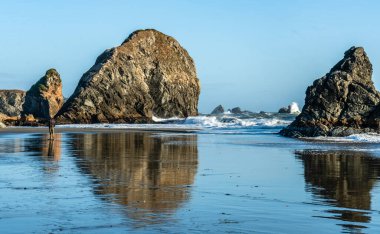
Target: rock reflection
[
  {"x": 342, "y": 179},
  {"x": 150, "y": 175},
  {"x": 40, "y": 145},
  {"x": 37, "y": 145}
]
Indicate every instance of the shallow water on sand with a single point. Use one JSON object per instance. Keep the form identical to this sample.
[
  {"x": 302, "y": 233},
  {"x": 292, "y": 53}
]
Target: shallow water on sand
[{"x": 186, "y": 182}]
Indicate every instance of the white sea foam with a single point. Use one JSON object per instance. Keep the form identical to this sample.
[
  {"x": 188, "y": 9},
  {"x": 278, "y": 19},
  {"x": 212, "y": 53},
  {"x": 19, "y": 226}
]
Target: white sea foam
[
  {"x": 232, "y": 122},
  {"x": 196, "y": 122},
  {"x": 160, "y": 120},
  {"x": 361, "y": 138},
  {"x": 294, "y": 109}
]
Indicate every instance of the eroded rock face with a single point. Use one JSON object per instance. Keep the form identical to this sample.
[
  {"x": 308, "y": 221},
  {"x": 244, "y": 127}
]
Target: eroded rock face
[
  {"x": 44, "y": 98},
  {"x": 149, "y": 74},
  {"x": 341, "y": 102},
  {"x": 11, "y": 102}
]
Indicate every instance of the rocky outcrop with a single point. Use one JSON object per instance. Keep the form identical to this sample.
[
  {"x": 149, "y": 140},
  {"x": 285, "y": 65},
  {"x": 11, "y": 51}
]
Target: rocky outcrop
[
  {"x": 44, "y": 98},
  {"x": 341, "y": 103},
  {"x": 236, "y": 110},
  {"x": 11, "y": 102},
  {"x": 283, "y": 110},
  {"x": 218, "y": 110},
  {"x": 291, "y": 109},
  {"x": 2, "y": 125},
  {"x": 148, "y": 74}
]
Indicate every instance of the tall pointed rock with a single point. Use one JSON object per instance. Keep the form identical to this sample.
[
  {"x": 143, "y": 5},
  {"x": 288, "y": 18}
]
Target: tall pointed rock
[
  {"x": 339, "y": 103},
  {"x": 148, "y": 74},
  {"x": 44, "y": 98}
]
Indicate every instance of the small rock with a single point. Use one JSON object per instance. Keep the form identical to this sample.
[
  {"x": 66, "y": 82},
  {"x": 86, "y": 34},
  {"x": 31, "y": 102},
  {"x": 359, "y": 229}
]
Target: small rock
[
  {"x": 283, "y": 110},
  {"x": 236, "y": 110},
  {"x": 291, "y": 109},
  {"x": 218, "y": 110}
]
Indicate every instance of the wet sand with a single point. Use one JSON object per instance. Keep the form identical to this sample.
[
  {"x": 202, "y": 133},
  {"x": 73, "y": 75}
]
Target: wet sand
[
  {"x": 112, "y": 181},
  {"x": 92, "y": 130}
]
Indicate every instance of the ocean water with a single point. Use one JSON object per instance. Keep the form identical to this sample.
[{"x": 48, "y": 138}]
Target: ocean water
[{"x": 215, "y": 174}]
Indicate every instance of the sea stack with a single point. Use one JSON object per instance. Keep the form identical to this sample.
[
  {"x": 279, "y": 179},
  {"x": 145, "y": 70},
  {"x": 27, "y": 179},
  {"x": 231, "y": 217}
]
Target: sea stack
[
  {"x": 148, "y": 75},
  {"x": 342, "y": 102},
  {"x": 218, "y": 110},
  {"x": 44, "y": 98},
  {"x": 11, "y": 102}
]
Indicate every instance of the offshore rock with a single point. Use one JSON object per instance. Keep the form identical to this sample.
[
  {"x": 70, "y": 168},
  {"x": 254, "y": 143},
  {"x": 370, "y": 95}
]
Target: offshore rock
[
  {"x": 341, "y": 103},
  {"x": 11, "y": 102},
  {"x": 44, "y": 98},
  {"x": 291, "y": 109},
  {"x": 283, "y": 110},
  {"x": 236, "y": 110},
  {"x": 148, "y": 74},
  {"x": 218, "y": 110}
]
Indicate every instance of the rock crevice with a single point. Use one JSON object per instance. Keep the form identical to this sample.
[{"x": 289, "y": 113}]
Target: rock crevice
[{"x": 11, "y": 102}]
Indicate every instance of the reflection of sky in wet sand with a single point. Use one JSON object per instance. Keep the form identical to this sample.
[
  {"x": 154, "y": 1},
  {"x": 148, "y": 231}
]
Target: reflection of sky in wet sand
[
  {"x": 135, "y": 181},
  {"x": 38, "y": 145},
  {"x": 343, "y": 179},
  {"x": 149, "y": 174}
]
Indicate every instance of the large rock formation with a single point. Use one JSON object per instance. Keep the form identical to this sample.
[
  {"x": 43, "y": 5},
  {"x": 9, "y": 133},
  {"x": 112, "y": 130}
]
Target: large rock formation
[
  {"x": 148, "y": 74},
  {"x": 340, "y": 103},
  {"x": 44, "y": 98},
  {"x": 11, "y": 102}
]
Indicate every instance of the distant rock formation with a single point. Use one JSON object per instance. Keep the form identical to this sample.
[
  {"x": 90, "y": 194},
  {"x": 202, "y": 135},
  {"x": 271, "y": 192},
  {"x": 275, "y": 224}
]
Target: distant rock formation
[
  {"x": 2, "y": 125},
  {"x": 236, "y": 110},
  {"x": 291, "y": 109},
  {"x": 341, "y": 103},
  {"x": 218, "y": 110},
  {"x": 44, "y": 98},
  {"x": 148, "y": 74},
  {"x": 283, "y": 110},
  {"x": 11, "y": 102}
]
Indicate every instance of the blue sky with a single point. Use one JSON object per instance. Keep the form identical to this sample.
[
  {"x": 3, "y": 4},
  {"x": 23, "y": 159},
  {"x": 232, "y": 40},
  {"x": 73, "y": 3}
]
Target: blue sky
[{"x": 256, "y": 54}]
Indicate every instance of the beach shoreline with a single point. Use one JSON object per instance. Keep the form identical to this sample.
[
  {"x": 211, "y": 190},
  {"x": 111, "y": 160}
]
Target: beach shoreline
[{"x": 17, "y": 130}]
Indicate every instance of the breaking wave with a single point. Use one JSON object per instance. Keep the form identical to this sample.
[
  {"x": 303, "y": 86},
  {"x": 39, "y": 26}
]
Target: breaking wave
[
  {"x": 355, "y": 138},
  {"x": 231, "y": 123}
]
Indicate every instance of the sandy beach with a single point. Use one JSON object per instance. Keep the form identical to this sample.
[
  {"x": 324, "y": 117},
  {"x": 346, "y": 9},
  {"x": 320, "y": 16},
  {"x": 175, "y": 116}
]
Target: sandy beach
[{"x": 117, "y": 180}]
